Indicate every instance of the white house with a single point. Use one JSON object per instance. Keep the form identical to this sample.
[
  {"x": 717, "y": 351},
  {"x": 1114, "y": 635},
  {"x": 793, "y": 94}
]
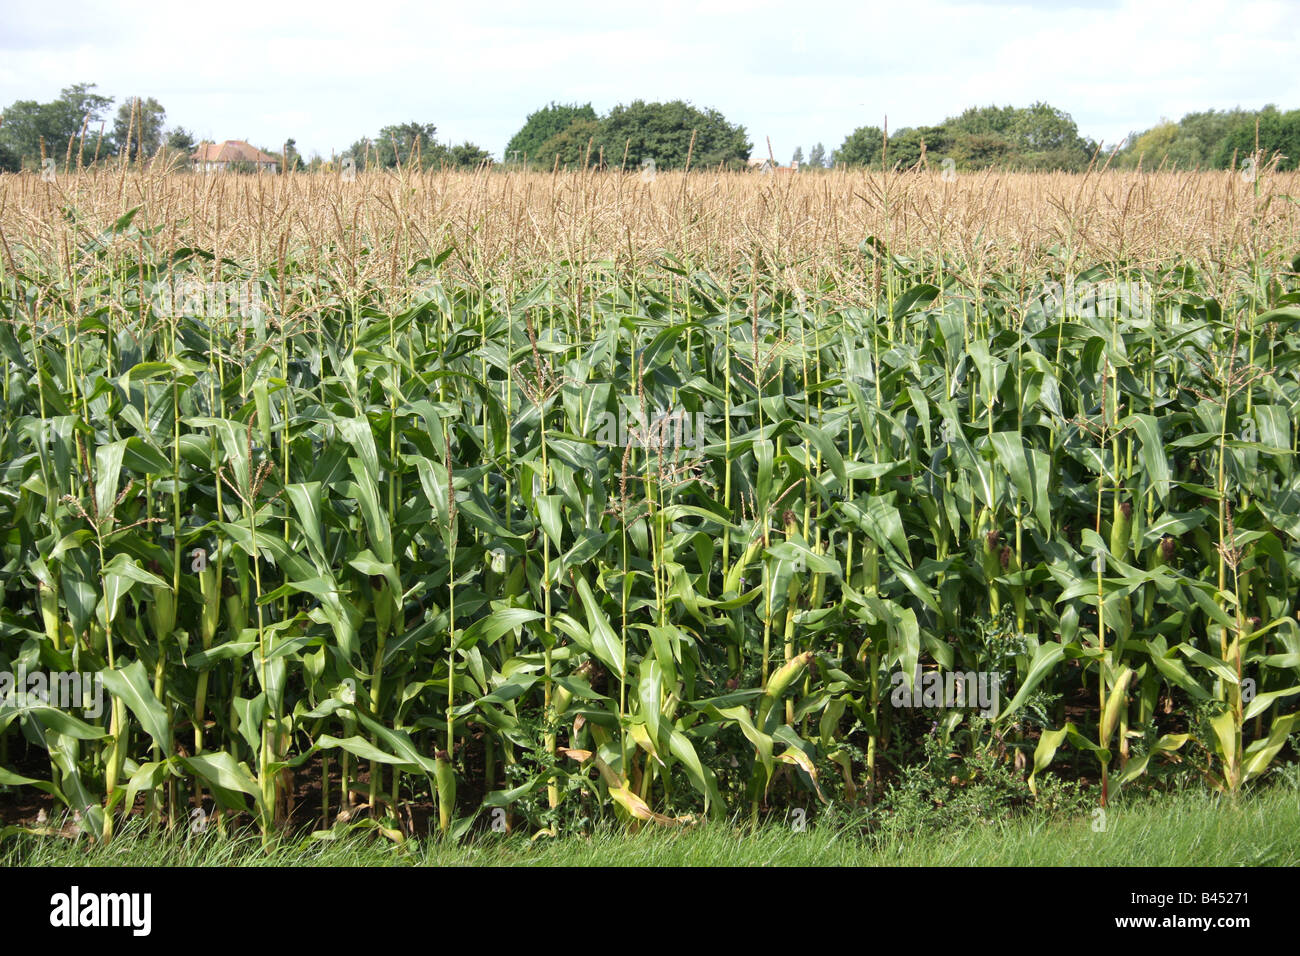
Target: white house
[{"x": 213, "y": 157}]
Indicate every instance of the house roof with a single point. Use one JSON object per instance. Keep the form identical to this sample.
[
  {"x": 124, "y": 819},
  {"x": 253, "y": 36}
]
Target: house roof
[{"x": 231, "y": 151}]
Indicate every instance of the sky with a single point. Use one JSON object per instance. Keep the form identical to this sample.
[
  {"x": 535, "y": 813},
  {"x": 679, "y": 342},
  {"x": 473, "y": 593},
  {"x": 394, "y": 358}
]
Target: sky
[{"x": 328, "y": 73}]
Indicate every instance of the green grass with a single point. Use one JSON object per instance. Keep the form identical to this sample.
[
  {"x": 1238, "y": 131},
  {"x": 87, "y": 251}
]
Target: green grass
[{"x": 1188, "y": 829}]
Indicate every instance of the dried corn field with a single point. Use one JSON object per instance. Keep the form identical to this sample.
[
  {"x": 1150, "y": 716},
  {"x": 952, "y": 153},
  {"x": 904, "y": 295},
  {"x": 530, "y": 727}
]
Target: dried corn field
[{"x": 534, "y": 500}]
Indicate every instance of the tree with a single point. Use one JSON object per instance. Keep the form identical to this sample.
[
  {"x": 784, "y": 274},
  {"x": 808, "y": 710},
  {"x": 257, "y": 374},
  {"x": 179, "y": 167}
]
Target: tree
[
  {"x": 9, "y": 161},
  {"x": 56, "y": 125},
  {"x": 797, "y": 158},
  {"x": 292, "y": 160},
  {"x": 1157, "y": 145},
  {"x": 399, "y": 142},
  {"x": 409, "y": 143},
  {"x": 413, "y": 142},
  {"x": 1036, "y": 128},
  {"x": 1196, "y": 141},
  {"x": 177, "y": 148},
  {"x": 986, "y": 121},
  {"x": 182, "y": 140},
  {"x": 76, "y": 109},
  {"x": 139, "y": 125},
  {"x": 23, "y": 130},
  {"x": 937, "y": 140},
  {"x": 571, "y": 146},
  {"x": 862, "y": 147},
  {"x": 469, "y": 156},
  {"x": 981, "y": 150},
  {"x": 1042, "y": 128},
  {"x": 817, "y": 156},
  {"x": 361, "y": 152},
  {"x": 905, "y": 146},
  {"x": 542, "y": 125},
  {"x": 1199, "y": 134},
  {"x": 662, "y": 132},
  {"x": 1034, "y": 137},
  {"x": 1278, "y": 132}
]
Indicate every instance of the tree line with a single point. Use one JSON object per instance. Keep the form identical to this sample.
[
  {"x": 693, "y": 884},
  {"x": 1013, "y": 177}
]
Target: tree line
[
  {"x": 78, "y": 128},
  {"x": 1035, "y": 137},
  {"x": 670, "y": 135},
  {"x": 1217, "y": 139}
]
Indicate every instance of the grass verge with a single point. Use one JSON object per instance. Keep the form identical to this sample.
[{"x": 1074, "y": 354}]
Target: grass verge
[{"x": 1188, "y": 829}]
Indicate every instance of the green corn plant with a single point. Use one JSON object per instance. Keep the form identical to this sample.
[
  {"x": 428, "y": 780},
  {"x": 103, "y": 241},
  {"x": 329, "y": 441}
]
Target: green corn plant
[{"x": 912, "y": 458}]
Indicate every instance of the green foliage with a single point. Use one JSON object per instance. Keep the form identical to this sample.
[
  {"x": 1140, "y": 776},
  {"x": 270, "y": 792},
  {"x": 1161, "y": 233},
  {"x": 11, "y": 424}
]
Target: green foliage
[
  {"x": 572, "y": 146},
  {"x": 406, "y": 144},
  {"x": 292, "y": 161},
  {"x": 662, "y": 132},
  {"x": 391, "y": 530},
  {"x": 658, "y": 131},
  {"x": 467, "y": 156},
  {"x": 862, "y": 147},
  {"x": 982, "y": 151},
  {"x": 905, "y": 146},
  {"x": 139, "y": 123},
  {"x": 1214, "y": 139},
  {"x": 1200, "y": 135},
  {"x": 948, "y": 790},
  {"x": 57, "y": 124},
  {"x": 414, "y": 145},
  {"x": 542, "y": 126},
  {"x": 182, "y": 140},
  {"x": 1039, "y": 128},
  {"x": 1034, "y": 137},
  {"x": 1184, "y": 829},
  {"x": 1278, "y": 132},
  {"x": 1160, "y": 144}
]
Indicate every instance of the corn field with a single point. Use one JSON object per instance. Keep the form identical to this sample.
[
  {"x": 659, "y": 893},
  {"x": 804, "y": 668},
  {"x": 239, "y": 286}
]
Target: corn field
[{"x": 539, "y": 499}]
